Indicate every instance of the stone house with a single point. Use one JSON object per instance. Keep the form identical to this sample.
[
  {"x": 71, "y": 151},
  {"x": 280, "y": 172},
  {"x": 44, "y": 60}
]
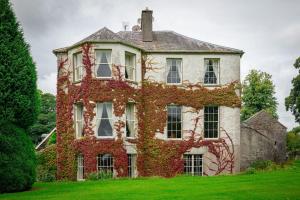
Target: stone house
[
  {"x": 262, "y": 138},
  {"x": 144, "y": 103}
]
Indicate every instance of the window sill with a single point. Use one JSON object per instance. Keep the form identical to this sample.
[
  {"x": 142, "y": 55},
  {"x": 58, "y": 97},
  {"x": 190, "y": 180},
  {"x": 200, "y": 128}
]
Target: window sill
[
  {"x": 211, "y": 85},
  {"x": 176, "y": 139},
  {"x": 104, "y": 78},
  {"x": 211, "y": 138},
  {"x": 105, "y": 137},
  {"x": 78, "y": 81}
]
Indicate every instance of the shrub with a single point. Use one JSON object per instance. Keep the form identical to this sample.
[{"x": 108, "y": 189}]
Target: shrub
[
  {"x": 52, "y": 139},
  {"x": 261, "y": 164},
  {"x": 102, "y": 175},
  {"x": 46, "y": 170},
  {"x": 17, "y": 161},
  {"x": 250, "y": 170}
]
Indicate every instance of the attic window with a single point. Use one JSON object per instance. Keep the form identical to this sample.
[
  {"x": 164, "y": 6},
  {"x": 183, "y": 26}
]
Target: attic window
[
  {"x": 174, "y": 66},
  {"x": 103, "y": 63},
  {"x": 211, "y": 71}
]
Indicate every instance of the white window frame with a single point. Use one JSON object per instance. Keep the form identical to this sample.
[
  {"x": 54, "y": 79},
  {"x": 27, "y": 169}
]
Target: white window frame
[
  {"x": 77, "y": 121},
  {"x": 133, "y": 67},
  {"x": 99, "y": 118},
  {"x": 180, "y": 122},
  {"x": 211, "y": 138},
  {"x": 113, "y": 163},
  {"x": 217, "y": 74},
  {"x": 134, "y": 119},
  {"x": 97, "y": 64},
  {"x": 193, "y": 164},
  {"x": 79, "y": 67},
  {"x": 167, "y": 71},
  {"x": 80, "y": 167}
]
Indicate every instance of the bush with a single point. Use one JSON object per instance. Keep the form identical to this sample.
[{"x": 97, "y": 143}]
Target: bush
[
  {"x": 102, "y": 175},
  {"x": 262, "y": 164},
  {"x": 250, "y": 170},
  {"x": 17, "y": 161},
  {"x": 52, "y": 139},
  {"x": 46, "y": 170}
]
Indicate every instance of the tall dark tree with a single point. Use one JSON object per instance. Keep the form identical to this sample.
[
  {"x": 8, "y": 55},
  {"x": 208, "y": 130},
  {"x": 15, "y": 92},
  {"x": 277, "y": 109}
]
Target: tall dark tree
[
  {"x": 292, "y": 102},
  {"x": 18, "y": 94},
  {"x": 18, "y": 104},
  {"x": 46, "y": 120},
  {"x": 258, "y": 94}
]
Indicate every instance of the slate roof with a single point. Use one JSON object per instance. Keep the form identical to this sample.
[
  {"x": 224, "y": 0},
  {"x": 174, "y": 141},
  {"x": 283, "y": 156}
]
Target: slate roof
[{"x": 163, "y": 41}]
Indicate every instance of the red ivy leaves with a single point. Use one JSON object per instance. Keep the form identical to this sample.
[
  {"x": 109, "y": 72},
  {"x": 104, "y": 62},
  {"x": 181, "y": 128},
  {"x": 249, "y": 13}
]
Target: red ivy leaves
[{"x": 155, "y": 157}]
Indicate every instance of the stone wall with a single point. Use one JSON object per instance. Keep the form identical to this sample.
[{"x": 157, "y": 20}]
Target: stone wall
[{"x": 262, "y": 138}]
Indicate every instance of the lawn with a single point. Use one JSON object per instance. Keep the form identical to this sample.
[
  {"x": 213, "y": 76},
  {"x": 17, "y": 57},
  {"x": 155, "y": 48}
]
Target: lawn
[{"x": 280, "y": 184}]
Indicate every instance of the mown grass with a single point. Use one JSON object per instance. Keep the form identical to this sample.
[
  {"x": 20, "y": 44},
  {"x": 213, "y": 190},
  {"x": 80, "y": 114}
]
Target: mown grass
[{"x": 279, "y": 184}]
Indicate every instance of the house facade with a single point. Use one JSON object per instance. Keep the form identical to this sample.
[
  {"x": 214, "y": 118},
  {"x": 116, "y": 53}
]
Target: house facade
[{"x": 147, "y": 103}]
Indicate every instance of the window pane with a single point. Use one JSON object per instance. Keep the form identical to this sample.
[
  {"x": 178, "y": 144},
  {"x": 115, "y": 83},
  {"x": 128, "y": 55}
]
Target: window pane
[
  {"x": 130, "y": 120},
  {"x": 104, "y": 119},
  {"x": 105, "y": 164},
  {"x": 78, "y": 117},
  {"x": 198, "y": 165},
  {"x": 188, "y": 165},
  {"x": 174, "y": 70},
  {"x": 174, "y": 121},
  {"x": 211, "y": 71},
  {"x": 103, "y": 62},
  {"x": 211, "y": 122},
  {"x": 80, "y": 167},
  {"x": 131, "y": 165}
]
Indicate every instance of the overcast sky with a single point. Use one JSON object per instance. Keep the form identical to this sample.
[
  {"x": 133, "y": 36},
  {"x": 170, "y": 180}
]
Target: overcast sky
[{"x": 267, "y": 31}]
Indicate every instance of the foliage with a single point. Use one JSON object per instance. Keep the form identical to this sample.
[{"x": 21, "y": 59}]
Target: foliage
[
  {"x": 155, "y": 157},
  {"x": 52, "y": 139},
  {"x": 17, "y": 161},
  {"x": 102, "y": 175},
  {"x": 275, "y": 185},
  {"x": 258, "y": 94},
  {"x": 293, "y": 141},
  {"x": 261, "y": 164},
  {"x": 46, "y": 120},
  {"x": 292, "y": 102},
  {"x": 19, "y": 98},
  {"x": 46, "y": 169}
]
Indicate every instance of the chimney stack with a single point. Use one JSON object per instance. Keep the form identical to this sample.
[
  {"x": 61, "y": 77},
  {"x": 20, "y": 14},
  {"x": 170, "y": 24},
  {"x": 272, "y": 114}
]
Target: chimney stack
[{"x": 147, "y": 25}]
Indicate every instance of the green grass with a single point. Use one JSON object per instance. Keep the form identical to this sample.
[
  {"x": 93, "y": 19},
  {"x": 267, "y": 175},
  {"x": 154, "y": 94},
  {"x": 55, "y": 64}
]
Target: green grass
[{"x": 280, "y": 184}]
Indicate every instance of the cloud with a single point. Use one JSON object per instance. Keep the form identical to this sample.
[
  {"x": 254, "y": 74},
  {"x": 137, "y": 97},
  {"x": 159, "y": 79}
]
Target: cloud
[
  {"x": 268, "y": 31},
  {"x": 48, "y": 83}
]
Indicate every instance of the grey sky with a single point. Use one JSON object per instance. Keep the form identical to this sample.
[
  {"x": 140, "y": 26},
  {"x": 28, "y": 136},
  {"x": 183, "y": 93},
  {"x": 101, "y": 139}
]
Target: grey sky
[{"x": 268, "y": 31}]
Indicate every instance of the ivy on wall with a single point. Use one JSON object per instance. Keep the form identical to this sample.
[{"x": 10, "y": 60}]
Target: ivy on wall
[{"x": 154, "y": 156}]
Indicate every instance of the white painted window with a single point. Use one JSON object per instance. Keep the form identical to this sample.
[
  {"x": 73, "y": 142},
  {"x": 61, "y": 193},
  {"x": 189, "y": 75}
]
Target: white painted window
[
  {"x": 104, "y": 119},
  {"x": 211, "y": 71},
  {"x": 211, "y": 122},
  {"x": 130, "y": 120},
  {"x": 130, "y": 66},
  {"x": 131, "y": 165},
  {"x": 105, "y": 164},
  {"x": 174, "y": 123},
  {"x": 103, "y": 64},
  {"x": 174, "y": 71},
  {"x": 78, "y": 67},
  {"x": 80, "y": 167},
  {"x": 193, "y": 164},
  {"x": 78, "y": 117}
]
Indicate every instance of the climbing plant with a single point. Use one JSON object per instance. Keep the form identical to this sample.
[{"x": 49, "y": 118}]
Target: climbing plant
[{"x": 154, "y": 156}]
